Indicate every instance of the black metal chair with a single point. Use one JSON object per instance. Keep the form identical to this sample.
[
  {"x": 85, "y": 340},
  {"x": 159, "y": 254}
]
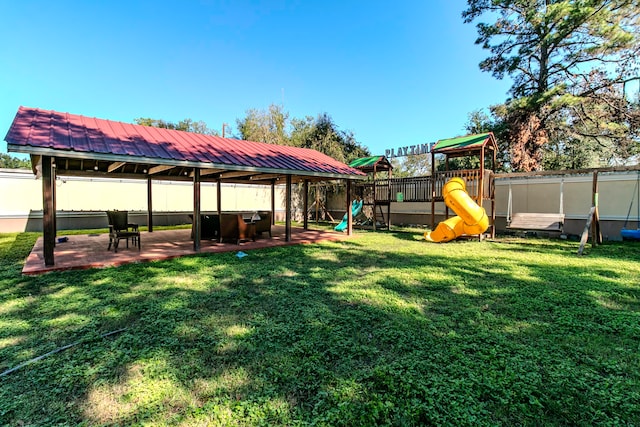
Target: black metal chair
[{"x": 120, "y": 228}]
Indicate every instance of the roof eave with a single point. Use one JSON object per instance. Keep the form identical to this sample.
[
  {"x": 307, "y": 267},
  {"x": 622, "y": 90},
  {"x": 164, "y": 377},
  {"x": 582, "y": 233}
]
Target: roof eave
[{"x": 41, "y": 151}]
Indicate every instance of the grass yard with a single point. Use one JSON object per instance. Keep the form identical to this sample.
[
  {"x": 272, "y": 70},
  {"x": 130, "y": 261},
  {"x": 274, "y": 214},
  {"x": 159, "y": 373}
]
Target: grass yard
[{"x": 384, "y": 329}]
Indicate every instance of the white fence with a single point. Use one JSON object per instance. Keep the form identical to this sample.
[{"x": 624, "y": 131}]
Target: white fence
[{"x": 81, "y": 202}]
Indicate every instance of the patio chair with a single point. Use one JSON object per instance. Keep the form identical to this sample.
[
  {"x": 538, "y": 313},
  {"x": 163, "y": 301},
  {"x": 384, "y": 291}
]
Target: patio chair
[
  {"x": 233, "y": 227},
  {"x": 263, "y": 222},
  {"x": 120, "y": 228}
]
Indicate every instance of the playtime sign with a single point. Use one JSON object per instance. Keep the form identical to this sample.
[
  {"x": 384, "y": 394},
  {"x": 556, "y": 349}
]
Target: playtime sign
[{"x": 409, "y": 150}]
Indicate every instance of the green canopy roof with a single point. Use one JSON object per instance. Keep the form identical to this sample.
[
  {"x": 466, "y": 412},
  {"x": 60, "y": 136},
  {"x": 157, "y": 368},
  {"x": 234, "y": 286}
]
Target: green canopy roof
[
  {"x": 463, "y": 142},
  {"x": 367, "y": 162}
]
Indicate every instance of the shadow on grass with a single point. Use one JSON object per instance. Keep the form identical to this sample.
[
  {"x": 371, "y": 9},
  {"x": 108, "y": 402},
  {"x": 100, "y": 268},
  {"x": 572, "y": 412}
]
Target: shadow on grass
[{"x": 378, "y": 330}]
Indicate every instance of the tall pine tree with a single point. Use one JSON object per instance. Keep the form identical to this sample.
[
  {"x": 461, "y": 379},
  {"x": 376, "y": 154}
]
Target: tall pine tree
[{"x": 569, "y": 61}]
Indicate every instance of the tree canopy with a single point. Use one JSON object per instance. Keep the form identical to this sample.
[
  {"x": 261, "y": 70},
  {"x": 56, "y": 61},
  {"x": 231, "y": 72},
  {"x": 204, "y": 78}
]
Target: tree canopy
[
  {"x": 268, "y": 126},
  {"x": 273, "y": 126},
  {"x": 10, "y": 162},
  {"x": 570, "y": 61},
  {"x": 320, "y": 133}
]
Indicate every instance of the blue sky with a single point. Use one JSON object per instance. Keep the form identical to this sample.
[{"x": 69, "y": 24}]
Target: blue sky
[{"x": 394, "y": 73}]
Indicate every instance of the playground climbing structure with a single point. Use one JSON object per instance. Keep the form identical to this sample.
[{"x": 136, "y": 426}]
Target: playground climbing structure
[
  {"x": 375, "y": 193},
  {"x": 478, "y": 149}
]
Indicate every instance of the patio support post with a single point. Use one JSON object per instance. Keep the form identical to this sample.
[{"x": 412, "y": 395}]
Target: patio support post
[
  {"x": 349, "y": 213},
  {"x": 48, "y": 204},
  {"x": 219, "y": 196},
  {"x": 287, "y": 208},
  {"x": 149, "y": 207},
  {"x": 196, "y": 210},
  {"x": 306, "y": 203},
  {"x": 54, "y": 196},
  {"x": 273, "y": 202}
]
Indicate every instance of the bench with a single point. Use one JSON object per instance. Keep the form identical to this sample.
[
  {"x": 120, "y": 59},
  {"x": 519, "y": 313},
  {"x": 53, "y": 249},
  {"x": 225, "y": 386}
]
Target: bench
[{"x": 537, "y": 222}]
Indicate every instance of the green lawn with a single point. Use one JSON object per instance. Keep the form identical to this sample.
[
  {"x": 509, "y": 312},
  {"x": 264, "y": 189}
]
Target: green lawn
[{"x": 384, "y": 329}]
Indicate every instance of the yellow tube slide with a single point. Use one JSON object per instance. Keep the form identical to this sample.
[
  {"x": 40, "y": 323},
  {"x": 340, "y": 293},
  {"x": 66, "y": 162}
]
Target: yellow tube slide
[{"x": 471, "y": 218}]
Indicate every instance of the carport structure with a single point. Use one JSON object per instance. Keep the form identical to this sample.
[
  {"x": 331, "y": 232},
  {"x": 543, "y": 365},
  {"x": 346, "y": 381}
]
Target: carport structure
[{"x": 75, "y": 145}]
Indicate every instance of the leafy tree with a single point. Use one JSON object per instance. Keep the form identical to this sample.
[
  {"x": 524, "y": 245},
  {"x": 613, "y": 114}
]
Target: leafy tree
[
  {"x": 268, "y": 126},
  {"x": 321, "y": 133},
  {"x": 10, "y": 162},
  {"x": 480, "y": 122},
  {"x": 186, "y": 125},
  {"x": 567, "y": 59},
  {"x": 409, "y": 166}
]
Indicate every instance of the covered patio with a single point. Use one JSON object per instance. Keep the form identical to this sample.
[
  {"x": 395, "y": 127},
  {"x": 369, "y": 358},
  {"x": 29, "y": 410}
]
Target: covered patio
[
  {"x": 84, "y": 251},
  {"x": 64, "y": 144}
]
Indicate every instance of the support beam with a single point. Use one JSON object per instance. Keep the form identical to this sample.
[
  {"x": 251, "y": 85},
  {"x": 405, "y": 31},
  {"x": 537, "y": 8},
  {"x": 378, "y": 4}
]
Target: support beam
[
  {"x": 305, "y": 203},
  {"x": 235, "y": 174},
  {"x": 492, "y": 190},
  {"x": 115, "y": 166},
  {"x": 196, "y": 210},
  {"x": 149, "y": 207},
  {"x": 219, "y": 196},
  {"x": 264, "y": 177},
  {"x": 287, "y": 208},
  {"x": 54, "y": 195},
  {"x": 433, "y": 191},
  {"x": 273, "y": 202},
  {"x": 596, "y": 234},
  {"x": 349, "y": 213},
  {"x": 48, "y": 220},
  {"x": 206, "y": 172},
  {"x": 160, "y": 168},
  {"x": 481, "y": 184},
  {"x": 375, "y": 172},
  {"x": 389, "y": 176}
]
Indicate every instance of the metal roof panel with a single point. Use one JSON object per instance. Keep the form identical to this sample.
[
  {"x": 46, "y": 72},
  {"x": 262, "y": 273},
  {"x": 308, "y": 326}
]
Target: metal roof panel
[{"x": 35, "y": 129}]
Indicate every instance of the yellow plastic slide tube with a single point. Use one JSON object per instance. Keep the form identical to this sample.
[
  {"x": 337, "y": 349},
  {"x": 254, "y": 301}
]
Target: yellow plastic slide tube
[{"x": 471, "y": 218}]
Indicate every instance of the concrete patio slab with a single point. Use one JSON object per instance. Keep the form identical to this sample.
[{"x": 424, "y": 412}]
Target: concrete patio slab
[{"x": 90, "y": 251}]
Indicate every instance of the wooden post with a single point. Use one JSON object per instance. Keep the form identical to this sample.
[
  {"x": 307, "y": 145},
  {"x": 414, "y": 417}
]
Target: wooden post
[
  {"x": 492, "y": 190},
  {"x": 149, "y": 207},
  {"x": 493, "y": 194},
  {"x": 389, "y": 173},
  {"x": 481, "y": 179},
  {"x": 585, "y": 233},
  {"x": 219, "y": 196},
  {"x": 54, "y": 197},
  {"x": 48, "y": 219},
  {"x": 196, "y": 210},
  {"x": 481, "y": 185},
  {"x": 273, "y": 202},
  {"x": 287, "y": 219},
  {"x": 596, "y": 235},
  {"x": 317, "y": 195},
  {"x": 305, "y": 202},
  {"x": 349, "y": 213},
  {"x": 375, "y": 170},
  {"x": 433, "y": 191}
]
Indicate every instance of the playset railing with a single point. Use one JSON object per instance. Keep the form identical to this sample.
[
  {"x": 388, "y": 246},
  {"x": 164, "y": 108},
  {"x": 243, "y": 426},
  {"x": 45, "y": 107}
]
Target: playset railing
[{"x": 419, "y": 189}]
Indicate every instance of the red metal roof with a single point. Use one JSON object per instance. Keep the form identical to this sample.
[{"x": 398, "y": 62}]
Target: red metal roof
[{"x": 38, "y": 131}]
